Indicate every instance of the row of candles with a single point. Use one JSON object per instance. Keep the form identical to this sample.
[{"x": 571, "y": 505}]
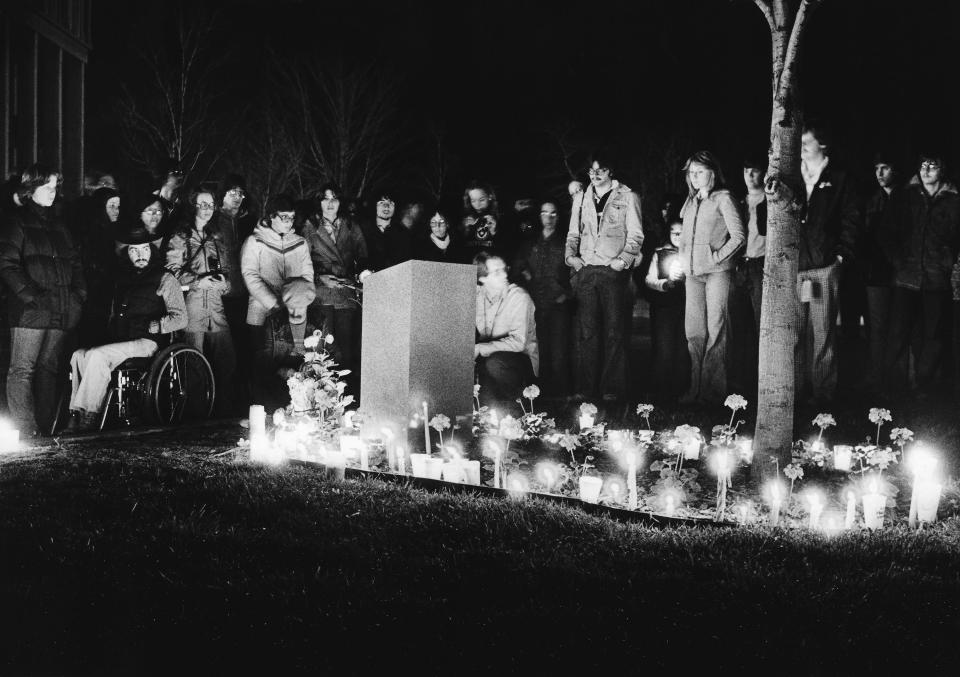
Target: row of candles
[{"x": 456, "y": 469}]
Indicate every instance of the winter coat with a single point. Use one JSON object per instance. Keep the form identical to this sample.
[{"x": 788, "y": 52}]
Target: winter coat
[
  {"x": 41, "y": 269},
  {"x": 875, "y": 245},
  {"x": 829, "y": 221},
  {"x": 925, "y": 231},
  {"x": 615, "y": 233},
  {"x": 425, "y": 249},
  {"x": 343, "y": 258},
  {"x": 549, "y": 277},
  {"x": 712, "y": 233},
  {"x": 388, "y": 247},
  {"x": 189, "y": 255},
  {"x": 276, "y": 268}
]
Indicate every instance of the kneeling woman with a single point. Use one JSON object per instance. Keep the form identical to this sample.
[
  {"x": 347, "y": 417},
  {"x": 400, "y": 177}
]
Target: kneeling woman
[{"x": 147, "y": 307}]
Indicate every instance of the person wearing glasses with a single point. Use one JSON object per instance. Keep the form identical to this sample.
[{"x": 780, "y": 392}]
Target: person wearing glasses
[
  {"x": 440, "y": 243},
  {"x": 277, "y": 270},
  {"x": 388, "y": 241},
  {"x": 541, "y": 267},
  {"x": 144, "y": 210},
  {"x": 603, "y": 243},
  {"x": 925, "y": 232},
  {"x": 45, "y": 290},
  {"x": 196, "y": 256}
]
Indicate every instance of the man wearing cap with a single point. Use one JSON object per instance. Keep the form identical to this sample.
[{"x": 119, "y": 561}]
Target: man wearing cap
[{"x": 147, "y": 307}]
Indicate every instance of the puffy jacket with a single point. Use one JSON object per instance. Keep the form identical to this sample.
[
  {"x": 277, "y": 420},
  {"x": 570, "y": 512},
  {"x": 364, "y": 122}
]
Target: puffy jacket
[
  {"x": 600, "y": 238},
  {"x": 275, "y": 266},
  {"x": 712, "y": 233},
  {"x": 343, "y": 258},
  {"x": 926, "y": 236},
  {"x": 189, "y": 254},
  {"x": 41, "y": 269}
]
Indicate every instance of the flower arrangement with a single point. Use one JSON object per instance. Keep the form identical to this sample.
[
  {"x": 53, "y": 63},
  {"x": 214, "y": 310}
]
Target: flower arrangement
[
  {"x": 794, "y": 472},
  {"x": 316, "y": 389},
  {"x": 878, "y": 416},
  {"x": 823, "y": 421},
  {"x": 439, "y": 422},
  {"x": 534, "y": 425}
]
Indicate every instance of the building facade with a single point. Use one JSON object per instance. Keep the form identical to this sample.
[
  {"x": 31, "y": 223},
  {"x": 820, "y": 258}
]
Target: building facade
[{"x": 44, "y": 46}]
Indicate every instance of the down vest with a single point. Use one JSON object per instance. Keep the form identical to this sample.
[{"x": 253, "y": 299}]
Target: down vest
[{"x": 41, "y": 269}]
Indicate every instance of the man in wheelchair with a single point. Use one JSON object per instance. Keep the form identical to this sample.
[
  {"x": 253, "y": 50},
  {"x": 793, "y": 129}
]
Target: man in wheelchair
[{"x": 148, "y": 306}]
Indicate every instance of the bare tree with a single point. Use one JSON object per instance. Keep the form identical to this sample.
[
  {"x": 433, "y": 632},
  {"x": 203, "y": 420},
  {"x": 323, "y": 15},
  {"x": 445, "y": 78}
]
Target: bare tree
[
  {"x": 350, "y": 128},
  {"x": 437, "y": 165},
  {"x": 170, "y": 112},
  {"x": 779, "y": 312}
]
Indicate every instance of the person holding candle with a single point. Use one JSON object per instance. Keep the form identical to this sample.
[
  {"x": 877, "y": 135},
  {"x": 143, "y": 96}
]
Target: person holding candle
[
  {"x": 713, "y": 232},
  {"x": 506, "y": 352},
  {"x": 670, "y": 361},
  {"x": 42, "y": 273}
]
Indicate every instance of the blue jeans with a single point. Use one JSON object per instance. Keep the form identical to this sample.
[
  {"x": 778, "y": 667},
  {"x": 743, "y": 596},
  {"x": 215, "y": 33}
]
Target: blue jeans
[
  {"x": 601, "y": 294},
  {"x": 707, "y": 324},
  {"x": 36, "y": 356}
]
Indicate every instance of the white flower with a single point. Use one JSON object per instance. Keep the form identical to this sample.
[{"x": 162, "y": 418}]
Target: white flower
[
  {"x": 531, "y": 392},
  {"x": 686, "y": 432},
  {"x": 793, "y": 471},
  {"x": 329, "y": 339},
  {"x": 510, "y": 428},
  {"x": 588, "y": 409},
  {"x": 476, "y": 390},
  {"x": 312, "y": 341},
  {"x": 644, "y": 409},
  {"x": 824, "y": 420},
  {"x": 279, "y": 418},
  {"x": 440, "y": 422},
  {"x": 877, "y": 415},
  {"x": 735, "y": 402},
  {"x": 310, "y": 355},
  {"x": 901, "y": 435}
]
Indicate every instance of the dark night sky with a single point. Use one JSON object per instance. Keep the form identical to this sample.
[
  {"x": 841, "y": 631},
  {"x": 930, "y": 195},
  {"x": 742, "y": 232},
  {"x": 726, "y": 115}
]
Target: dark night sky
[{"x": 496, "y": 73}]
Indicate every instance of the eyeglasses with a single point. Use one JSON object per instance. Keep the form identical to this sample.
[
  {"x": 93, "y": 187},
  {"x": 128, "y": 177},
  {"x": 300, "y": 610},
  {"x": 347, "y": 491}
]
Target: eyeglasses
[
  {"x": 384, "y": 200},
  {"x": 284, "y": 218},
  {"x": 205, "y": 206},
  {"x": 598, "y": 172},
  {"x": 437, "y": 223},
  {"x": 236, "y": 192},
  {"x": 929, "y": 166},
  {"x": 152, "y": 212}
]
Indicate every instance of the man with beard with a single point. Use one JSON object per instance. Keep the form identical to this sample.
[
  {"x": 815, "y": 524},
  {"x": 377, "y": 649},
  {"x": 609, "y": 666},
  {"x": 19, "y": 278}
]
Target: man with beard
[{"x": 148, "y": 306}]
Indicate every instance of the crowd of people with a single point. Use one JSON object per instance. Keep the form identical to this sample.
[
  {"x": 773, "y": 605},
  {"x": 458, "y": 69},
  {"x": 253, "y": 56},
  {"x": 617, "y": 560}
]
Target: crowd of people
[{"x": 111, "y": 275}]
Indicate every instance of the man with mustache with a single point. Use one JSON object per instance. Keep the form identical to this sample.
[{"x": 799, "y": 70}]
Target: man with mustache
[{"x": 147, "y": 307}]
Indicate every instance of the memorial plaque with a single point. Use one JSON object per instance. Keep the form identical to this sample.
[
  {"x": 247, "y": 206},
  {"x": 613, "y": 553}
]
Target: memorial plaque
[{"x": 418, "y": 338}]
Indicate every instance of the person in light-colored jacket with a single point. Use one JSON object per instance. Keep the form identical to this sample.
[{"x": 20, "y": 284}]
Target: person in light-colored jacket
[
  {"x": 276, "y": 267},
  {"x": 713, "y": 232}
]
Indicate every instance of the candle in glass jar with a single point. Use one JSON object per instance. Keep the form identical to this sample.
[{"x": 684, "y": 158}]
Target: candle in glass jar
[
  {"x": 586, "y": 421},
  {"x": 851, "y": 510},
  {"x": 874, "y": 504},
  {"x": 842, "y": 457}
]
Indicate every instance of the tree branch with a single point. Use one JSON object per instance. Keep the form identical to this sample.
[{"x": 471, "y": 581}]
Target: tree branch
[
  {"x": 793, "y": 47},
  {"x": 767, "y": 13}
]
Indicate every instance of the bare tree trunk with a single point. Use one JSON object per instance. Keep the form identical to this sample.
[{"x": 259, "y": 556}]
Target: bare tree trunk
[{"x": 779, "y": 314}]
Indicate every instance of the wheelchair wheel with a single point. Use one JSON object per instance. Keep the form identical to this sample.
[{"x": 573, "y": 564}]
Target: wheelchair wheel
[{"x": 179, "y": 386}]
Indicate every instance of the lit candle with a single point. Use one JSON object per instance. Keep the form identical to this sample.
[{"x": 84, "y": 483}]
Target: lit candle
[
  {"x": 746, "y": 449},
  {"x": 9, "y": 438},
  {"x": 401, "y": 464},
  {"x": 472, "y": 471},
  {"x": 546, "y": 473},
  {"x": 586, "y": 421},
  {"x": 426, "y": 429},
  {"x": 631, "y": 479},
  {"x": 364, "y": 455},
  {"x": 590, "y": 488},
  {"x": 258, "y": 420},
  {"x": 815, "y": 501},
  {"x": 497, "y": 461},
  {"x": 851, "y": 510},
  {"x": 691, "y": 449},
  {"x": 494, "y": 418},
  {"x": 744, "y": 511},
  {"x": 874, "y": 504},
  {"x": 842, "y": 457},
  {"x": 388, "y": 446},
  {"x": 670, "y": 507},
  {"x": 776, "y": 497},
  {"x": 928, "y": 499}
]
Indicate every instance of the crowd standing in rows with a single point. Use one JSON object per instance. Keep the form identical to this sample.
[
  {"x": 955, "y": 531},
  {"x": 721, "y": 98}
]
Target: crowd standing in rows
[{"x": 115, "y": 275}]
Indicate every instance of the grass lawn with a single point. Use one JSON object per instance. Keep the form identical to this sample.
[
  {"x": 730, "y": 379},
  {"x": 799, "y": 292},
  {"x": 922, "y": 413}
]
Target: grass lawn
[{"x": 157, "y": 555}]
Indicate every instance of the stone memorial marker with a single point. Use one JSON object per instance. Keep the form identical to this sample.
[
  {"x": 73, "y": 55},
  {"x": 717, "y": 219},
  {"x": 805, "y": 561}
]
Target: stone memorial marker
[{"x": 418, "y": 338}]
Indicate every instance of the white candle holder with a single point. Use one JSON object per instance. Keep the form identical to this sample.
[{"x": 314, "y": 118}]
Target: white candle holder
[
  {"x": 590, "y": 488},
  {"x": 874, "y": 505},
  {"x": 928, "y": 499},
  {"x": 842, "y": 457}
]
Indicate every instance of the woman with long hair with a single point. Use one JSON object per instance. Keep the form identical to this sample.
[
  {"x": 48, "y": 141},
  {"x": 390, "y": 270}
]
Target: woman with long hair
[{"x": 712, "y": 233}]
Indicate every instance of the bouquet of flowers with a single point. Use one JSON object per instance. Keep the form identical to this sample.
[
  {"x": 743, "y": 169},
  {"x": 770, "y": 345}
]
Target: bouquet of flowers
[{"x": 316, "y": 389}]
